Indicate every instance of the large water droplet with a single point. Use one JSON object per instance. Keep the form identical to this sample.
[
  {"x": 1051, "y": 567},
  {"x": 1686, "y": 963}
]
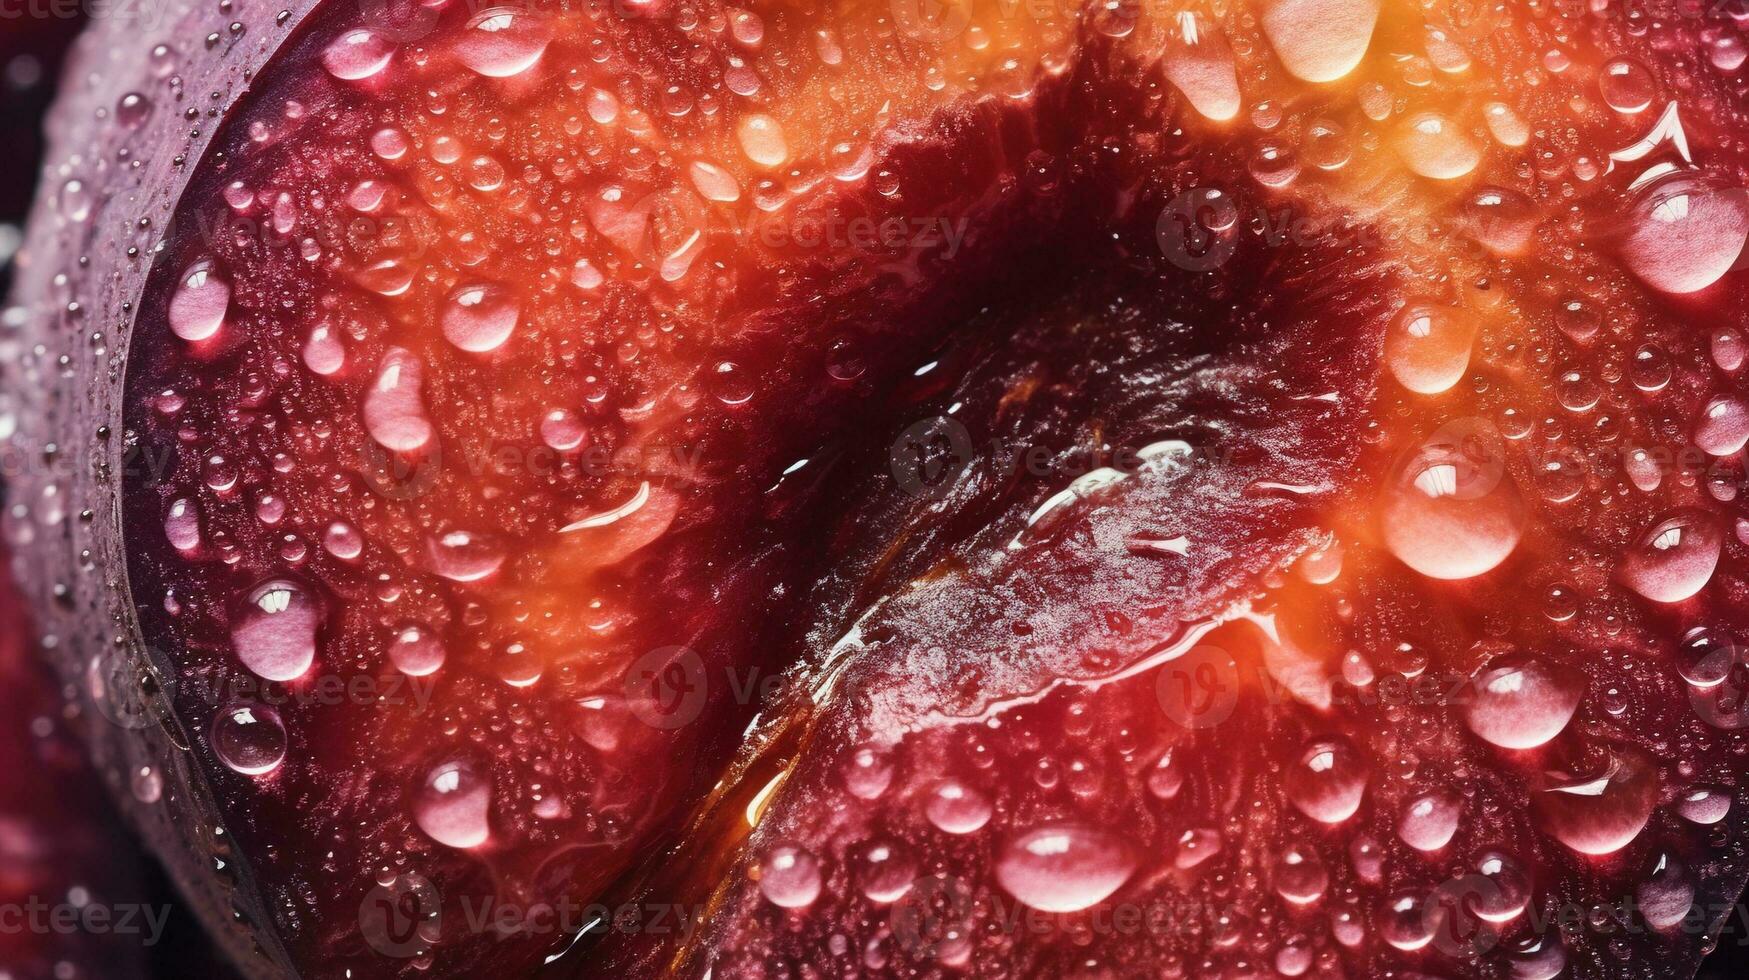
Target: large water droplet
[
  {"x": 1064, "y": 867},
  {"x": 1502, "y": 220},
  {"x": 1685, "y": 232},
  {"x": 1599, "y": 812},
  {"x": 357, "y": 55},
  {"x": 274, "y": 631},
  {"x": 1723, "y": 428},
  {"x": 1666, "y": 894},
  {"x": 249, "y": 738},
  {"x": 1300, "y": 876},
  {"x": 416, "y": 650},
  {"x": 1522, "y": 702},
  {"x": 452, "y": 805},
  {"x": 885, "y": 872},
  {"x": 1451, "y": 511},
  {"x": 463, "y": 556},
  {"x": 504, "y": 41},
  {"x": 1198, "y": 61},
  {"x": 1428, "y": 347},
  {"x": 789, "y": 877},
  {"x": 1320, "y": 40},
  {"x": 1436, "y": 147},
  {"x": 394, "y": 408},
  {"x": 198, "y": 306},
  {"x": 480, "y": 318},
  {"x": 1628, "y": 86},
  {"x": 868, "y": 771},
  {"x": 1328, "y": 781},
  {"x": 762, "y": 139},
  {"x": 1675, "y": 558},
  {"x": 1429, "y": 821},
  {"x": 957, "y": 808}
]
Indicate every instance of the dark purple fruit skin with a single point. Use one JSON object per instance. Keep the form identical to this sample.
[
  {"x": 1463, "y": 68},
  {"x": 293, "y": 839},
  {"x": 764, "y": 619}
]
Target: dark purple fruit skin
[{"x": 77, "y": 286}]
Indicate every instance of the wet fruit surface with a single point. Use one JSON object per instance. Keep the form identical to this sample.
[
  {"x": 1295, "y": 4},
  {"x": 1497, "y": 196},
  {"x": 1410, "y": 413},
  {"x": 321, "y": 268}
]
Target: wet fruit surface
[{"x": 1083, "y": 490}]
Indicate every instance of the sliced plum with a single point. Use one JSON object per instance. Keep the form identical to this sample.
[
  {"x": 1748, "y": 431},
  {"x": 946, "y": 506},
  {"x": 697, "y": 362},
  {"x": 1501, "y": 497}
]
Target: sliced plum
[{"x": 1075, "y": 490}]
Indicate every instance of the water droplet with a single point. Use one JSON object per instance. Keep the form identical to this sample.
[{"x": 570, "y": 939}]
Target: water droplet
[
  {"x": 182, "y": 524},
  {"x": 1328, "y": 781},
  {"x": 1684, "y": 232},
  {"x": 1723, "y": 427},
  {"x": 132, "y": 110},
  {"x": 1436, "y": 147},
  {"x": 1705, "y": 805},
  {"x": 714, "y": 183},
  {"x": 274, "y": 630},
  {"x": 1451, "y": 511},
  {"x": 1728, "y": 349},
  {"x": 1502, "y": 220},
  {"x": 357, "y": 55},
  {"x": 462, "y": 556},
  {"x": 503, "y": 42},
  {"x": 1601, "y": 811},
  {"x": 868, "y": 772},
  {"x": 1320, "y": 40},
  {"x": 1675, "y": 558},
  {"x": 789, "y": 877},
  {"x": 480, "y": 318},
  {"x": 885, "y": 872},
  {"x": 249, "y": 738},
  {"x": 1627, "y": 86},
  {"x": 1428, "y": 347},
  {"x": 762, "y": 139},
  {"x": 1537, "y": 956},
  {"x": 1195, "y": 846},
  {"x": 1200, "y": 64},
  {"x": 198, "y": 306},
  {"x": 394, "y": 407},
  {"x": 563, "y": 431},
  {"x": 1522, "y": 702},
  {"x": 1274, "y": 165},
  {"x": 1429, "y": 820},
  {"x": 1406, "y": 921},
  {"x": 416, "y": 650},
  {"x": 956, "y": 808},
  {"x": 452, "y": 805},
  {"x": 1064, "y": 867},
  {"x": 1300, "y": 875},
  {"x": 1666, "y": 894}
]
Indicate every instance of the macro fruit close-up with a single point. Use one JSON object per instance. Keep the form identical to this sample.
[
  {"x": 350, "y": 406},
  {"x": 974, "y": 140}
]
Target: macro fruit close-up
[{"x": 877, "y": 488}]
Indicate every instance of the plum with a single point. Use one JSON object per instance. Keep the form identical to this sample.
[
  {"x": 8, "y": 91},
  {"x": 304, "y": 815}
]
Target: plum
[{"x": 655, "y": 488}]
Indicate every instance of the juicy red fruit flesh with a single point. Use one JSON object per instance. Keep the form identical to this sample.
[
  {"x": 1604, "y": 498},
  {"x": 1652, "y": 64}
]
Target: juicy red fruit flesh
[{"x": 502, "y": 373}]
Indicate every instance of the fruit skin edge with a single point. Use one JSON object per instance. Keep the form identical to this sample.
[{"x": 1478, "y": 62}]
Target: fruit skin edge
[{"x": 92, "y": 614}]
